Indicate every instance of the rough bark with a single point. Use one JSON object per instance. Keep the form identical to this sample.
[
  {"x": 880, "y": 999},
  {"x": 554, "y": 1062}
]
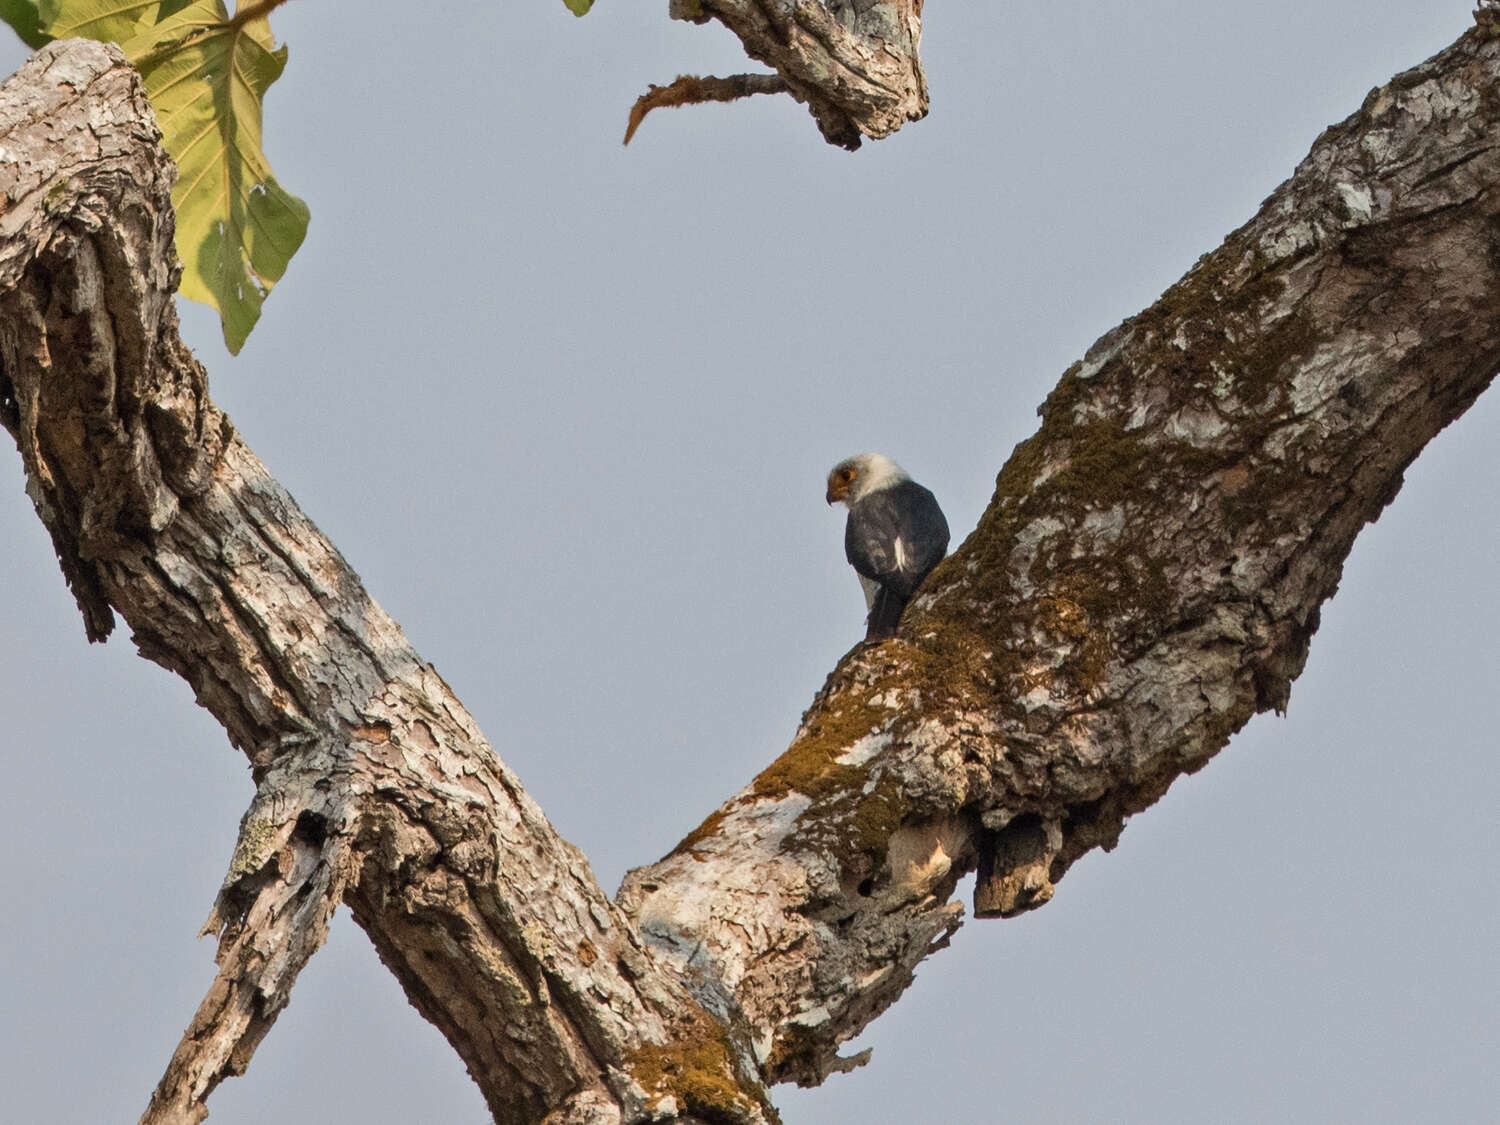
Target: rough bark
[
  {"x": 856, "y": 64},
  {"x": 1147, "y": 576}
]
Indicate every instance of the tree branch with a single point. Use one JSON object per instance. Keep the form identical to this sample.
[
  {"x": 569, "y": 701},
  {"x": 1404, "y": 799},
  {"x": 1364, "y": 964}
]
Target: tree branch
[
  {"x": 373, "y": 783},
  {"x": 689, "y": 89},
  {"x": 856, "y": 64},
  {"x": 1147, "y": 576}
]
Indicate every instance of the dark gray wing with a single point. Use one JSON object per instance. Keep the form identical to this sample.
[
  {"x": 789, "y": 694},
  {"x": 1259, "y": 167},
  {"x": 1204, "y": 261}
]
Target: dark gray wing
[{"x": 896, "y": 536}]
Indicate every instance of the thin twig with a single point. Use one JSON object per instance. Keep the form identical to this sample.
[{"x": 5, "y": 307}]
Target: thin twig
[
  {"x": 689, "y": 89},
  {"x": 260, "y": 8}
]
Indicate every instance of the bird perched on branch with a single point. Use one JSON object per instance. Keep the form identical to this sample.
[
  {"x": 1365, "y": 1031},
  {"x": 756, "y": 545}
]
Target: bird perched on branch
[{"x": 895, "y": 535}]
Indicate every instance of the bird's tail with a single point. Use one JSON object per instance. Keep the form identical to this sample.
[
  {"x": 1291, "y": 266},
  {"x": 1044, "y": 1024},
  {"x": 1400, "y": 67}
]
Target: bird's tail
[{"x": 885, "y": 614}]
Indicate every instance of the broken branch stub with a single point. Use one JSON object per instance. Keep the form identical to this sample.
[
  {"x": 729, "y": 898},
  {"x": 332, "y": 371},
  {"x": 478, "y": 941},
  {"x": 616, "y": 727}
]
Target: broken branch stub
[{"x": 855, "y": 64}]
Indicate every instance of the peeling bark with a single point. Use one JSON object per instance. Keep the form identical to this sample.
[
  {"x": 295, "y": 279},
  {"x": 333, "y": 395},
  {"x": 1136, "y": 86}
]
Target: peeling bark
[{"x": 1147, "y": 577}]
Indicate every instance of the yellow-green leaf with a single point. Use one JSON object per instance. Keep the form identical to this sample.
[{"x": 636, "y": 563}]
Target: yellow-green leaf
[
  {"x": 206, "y": 75},
  {"x": 112, "y": 21},
  {"x": 579, "y": 7}
]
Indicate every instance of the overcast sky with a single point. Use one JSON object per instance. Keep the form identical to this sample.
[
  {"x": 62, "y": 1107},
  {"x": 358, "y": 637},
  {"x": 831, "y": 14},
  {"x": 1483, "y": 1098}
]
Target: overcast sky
[{"x": 567, "y": 407}]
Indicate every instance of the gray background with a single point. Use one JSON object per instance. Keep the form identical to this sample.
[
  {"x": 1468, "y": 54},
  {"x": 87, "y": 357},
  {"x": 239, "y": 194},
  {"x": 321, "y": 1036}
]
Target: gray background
[{"x": 567, "y": 407}]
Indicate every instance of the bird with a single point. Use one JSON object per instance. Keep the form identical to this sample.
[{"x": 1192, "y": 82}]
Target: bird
[{"x": 894, "y": 537}]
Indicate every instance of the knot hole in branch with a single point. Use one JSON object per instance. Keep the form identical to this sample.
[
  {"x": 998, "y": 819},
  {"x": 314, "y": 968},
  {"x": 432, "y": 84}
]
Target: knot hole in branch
[{"x": 1015, "y": 867}]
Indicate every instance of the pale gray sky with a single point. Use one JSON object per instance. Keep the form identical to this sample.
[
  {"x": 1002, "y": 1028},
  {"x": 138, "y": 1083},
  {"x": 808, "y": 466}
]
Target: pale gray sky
[{"x": 567, "y": 407}]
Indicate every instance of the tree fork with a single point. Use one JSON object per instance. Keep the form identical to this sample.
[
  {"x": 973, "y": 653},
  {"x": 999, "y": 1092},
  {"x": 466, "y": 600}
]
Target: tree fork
[{"x": 1148, "y": 576}]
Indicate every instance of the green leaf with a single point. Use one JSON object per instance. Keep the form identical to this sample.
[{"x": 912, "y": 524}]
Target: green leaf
[
  {"x": 236, "y": 227},
  {"x": 26, "y": 21},
  {"x": 206, "y": 75},
  {"x": 111, "y": 21},
  {"x": 579, "y": 7}
]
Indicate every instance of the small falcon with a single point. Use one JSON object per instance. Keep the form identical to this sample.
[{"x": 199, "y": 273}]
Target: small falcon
[{"x": 895, "y": 535}]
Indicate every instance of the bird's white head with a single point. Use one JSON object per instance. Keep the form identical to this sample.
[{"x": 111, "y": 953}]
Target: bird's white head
[{"x": 856, "y": 477}]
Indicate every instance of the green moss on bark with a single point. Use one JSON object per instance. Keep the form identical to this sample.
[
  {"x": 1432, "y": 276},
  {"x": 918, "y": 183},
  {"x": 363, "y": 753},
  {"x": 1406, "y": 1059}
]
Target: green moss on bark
[
  {"x": 810, "y": 765},
  {"x": 698, "y": 1070}
]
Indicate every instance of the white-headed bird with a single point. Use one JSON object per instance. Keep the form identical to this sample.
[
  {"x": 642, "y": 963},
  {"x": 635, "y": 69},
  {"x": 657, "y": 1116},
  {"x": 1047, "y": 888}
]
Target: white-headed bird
[{"x": 895, "y": 535}]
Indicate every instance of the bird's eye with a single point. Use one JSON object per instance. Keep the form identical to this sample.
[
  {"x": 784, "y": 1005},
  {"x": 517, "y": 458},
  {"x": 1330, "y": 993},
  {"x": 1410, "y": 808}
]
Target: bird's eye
[{"x": 846, "y": 475}]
